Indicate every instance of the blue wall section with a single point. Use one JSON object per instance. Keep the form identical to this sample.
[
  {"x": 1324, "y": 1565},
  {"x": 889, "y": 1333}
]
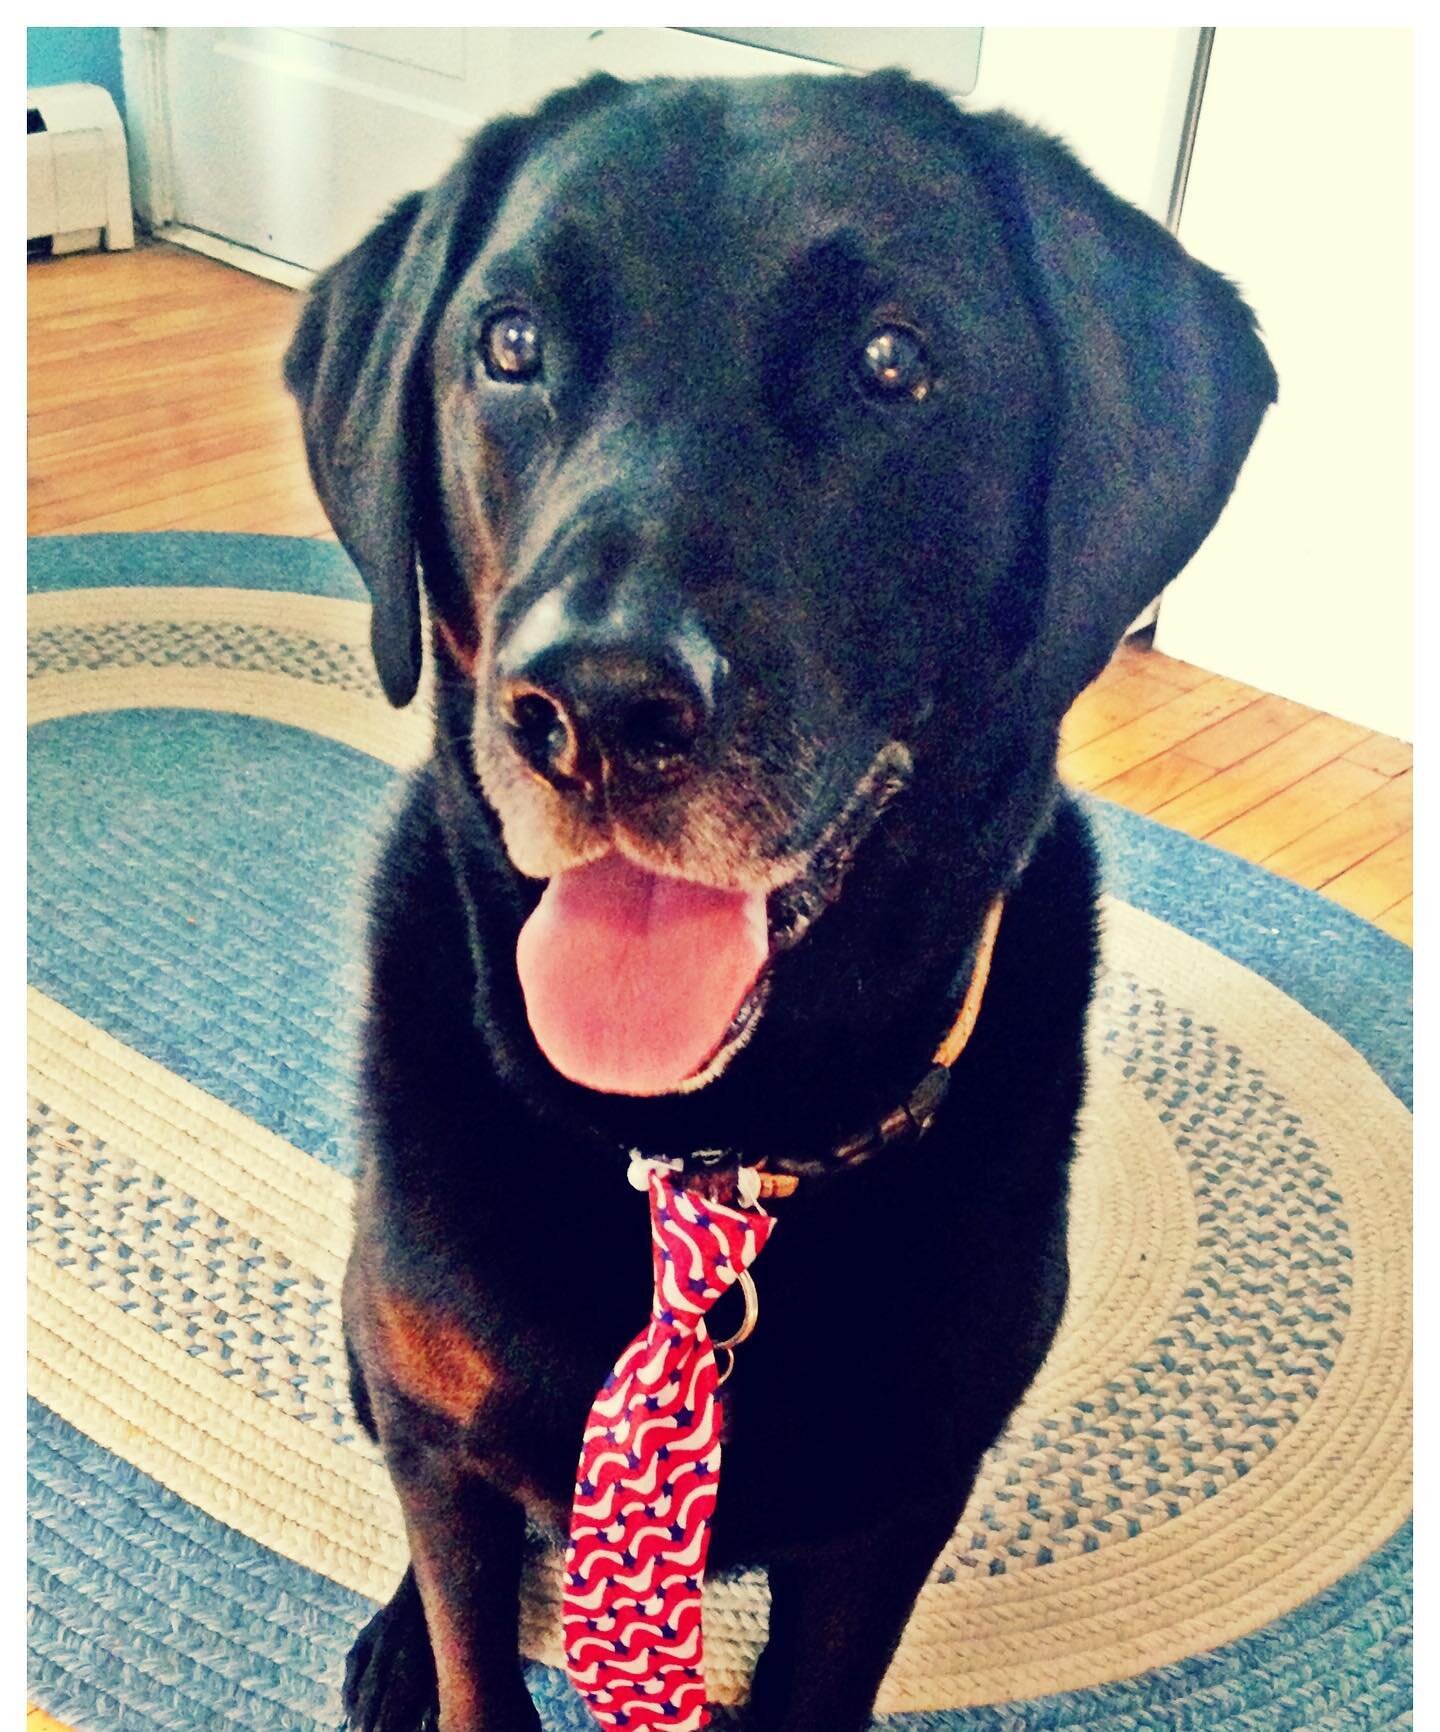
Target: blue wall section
[{"x": 73, "y": 56}]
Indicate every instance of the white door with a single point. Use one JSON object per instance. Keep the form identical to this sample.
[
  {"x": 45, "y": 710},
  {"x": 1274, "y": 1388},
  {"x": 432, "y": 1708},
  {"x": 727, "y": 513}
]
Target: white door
[{"x": 292, "y": 142}]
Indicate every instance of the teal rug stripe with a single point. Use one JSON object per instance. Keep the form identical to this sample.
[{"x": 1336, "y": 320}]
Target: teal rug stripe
[
  {"x": 195, "y": 889},
  {"x": 1340, "y": 967},
  {"x": 148, "y": 1613},
  {"x": 192, "y": 559}
]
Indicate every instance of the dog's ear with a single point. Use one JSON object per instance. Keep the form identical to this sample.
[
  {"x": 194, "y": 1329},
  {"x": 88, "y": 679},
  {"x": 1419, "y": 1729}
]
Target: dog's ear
[
  {"x": 1163, "y": 382},
  {"x": 357, "y": 367}
]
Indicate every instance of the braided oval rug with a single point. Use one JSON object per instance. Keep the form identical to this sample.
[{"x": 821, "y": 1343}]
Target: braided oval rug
[{"x": 1197, "y": 1519}]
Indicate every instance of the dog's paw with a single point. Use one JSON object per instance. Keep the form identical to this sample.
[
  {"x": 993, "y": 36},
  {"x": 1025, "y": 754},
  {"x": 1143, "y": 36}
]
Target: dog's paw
[{"x": 390, "y": 1673}]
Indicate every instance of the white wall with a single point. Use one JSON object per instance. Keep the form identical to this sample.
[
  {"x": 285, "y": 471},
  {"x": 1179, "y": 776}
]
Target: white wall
[
  {"x": 1301, "y": 191},
  {"x": 1116, "y": 96}
]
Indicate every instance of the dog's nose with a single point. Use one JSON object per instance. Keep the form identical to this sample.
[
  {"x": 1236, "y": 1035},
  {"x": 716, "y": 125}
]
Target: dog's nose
[{"x": 586, "y": 711}]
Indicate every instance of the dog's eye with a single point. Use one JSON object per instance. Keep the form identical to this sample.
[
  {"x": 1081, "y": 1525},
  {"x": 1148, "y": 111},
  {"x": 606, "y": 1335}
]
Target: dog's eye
[
  {"x": 510, "y": 346},
  {"x": 893, "y": 363}
]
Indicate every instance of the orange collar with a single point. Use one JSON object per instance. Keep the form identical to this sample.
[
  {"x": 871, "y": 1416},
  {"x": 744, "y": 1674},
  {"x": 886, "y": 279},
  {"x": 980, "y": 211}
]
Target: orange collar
[{"x": 963, "y": 1026}]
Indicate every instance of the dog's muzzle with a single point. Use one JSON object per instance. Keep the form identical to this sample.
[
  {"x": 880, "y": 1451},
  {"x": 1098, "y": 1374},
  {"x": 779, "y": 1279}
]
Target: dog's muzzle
[
  {"x": 610, "y": 704},
  {"x": 645, "y": 966}
]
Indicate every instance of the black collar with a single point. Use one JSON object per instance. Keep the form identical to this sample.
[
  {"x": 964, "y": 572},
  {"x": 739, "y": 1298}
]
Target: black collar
[{"x": 718, "y": 1172}]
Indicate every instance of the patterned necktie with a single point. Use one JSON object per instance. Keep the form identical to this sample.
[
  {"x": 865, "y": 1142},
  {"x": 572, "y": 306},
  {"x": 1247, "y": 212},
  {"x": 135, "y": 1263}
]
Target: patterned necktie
[{"x": 649, "y": 1471}]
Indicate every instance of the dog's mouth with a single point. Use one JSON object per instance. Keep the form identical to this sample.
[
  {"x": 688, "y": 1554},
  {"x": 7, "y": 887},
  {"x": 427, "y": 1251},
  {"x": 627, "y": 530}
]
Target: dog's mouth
[{"x": 638, "y": 982}]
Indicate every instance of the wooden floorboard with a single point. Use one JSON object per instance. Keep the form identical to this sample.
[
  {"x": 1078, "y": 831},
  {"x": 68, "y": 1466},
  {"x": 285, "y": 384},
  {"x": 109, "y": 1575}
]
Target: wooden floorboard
[
  {"x": 1282, "y": 764},
  {"x": 1378, "y": 883},
  {"x": 1296, "y": 810},
  {"x": 1258, "y": 724},
  {"x": 156, "y": 403},
  {"x": 1126, "y": 695},
  {"x": 1163, "y": 729},
  {"x": 1399, "y": 920}
]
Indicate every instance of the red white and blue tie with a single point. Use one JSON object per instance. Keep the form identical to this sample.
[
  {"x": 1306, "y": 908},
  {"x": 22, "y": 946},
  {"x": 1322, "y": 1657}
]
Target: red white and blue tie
[{"x": 648, "y": 1476}]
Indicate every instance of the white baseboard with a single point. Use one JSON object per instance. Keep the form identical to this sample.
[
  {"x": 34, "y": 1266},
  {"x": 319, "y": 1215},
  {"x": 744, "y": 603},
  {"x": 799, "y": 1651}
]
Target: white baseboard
[{"x": 243, "y": 258}]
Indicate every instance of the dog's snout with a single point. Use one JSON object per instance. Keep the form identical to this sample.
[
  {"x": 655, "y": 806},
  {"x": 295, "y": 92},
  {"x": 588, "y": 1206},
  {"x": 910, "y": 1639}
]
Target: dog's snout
[{"x": 586, "y": 710}]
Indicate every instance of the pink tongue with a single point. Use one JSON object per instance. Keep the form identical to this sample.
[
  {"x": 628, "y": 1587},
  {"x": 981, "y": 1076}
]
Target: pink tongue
[{"x": 630, "y": 979}]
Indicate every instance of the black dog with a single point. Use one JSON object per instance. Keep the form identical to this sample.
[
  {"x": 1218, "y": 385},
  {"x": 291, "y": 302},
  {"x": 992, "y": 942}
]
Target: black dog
[{"x": 782, "y": 457}]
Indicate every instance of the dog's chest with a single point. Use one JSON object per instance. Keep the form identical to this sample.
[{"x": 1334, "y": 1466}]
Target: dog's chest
[{"x": 808, "y": 1416}]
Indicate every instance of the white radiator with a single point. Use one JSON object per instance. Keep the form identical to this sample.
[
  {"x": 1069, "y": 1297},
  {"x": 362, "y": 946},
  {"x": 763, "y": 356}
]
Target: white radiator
[{"x": 78, "y": 172}]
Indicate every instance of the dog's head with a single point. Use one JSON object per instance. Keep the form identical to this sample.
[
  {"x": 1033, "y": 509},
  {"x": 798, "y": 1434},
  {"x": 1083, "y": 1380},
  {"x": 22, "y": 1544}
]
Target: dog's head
[{"x": 767, "y": 446}]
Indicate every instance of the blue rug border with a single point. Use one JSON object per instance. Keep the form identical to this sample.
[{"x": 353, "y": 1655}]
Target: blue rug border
[
  {"x": 191, "y": 559},
  {"x": 1366, "y": 1609}
]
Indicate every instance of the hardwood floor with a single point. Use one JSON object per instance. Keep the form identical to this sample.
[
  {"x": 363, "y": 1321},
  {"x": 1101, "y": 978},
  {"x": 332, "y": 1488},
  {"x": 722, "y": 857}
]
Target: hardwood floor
[
  {"x": 155, "y": 398},
  {"x": 155, "y": 403},
  {"x": 1317, "y": 800}
]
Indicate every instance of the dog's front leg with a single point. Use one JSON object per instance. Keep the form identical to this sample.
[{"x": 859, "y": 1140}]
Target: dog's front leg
[
  {"x": 835, "y": 1623},
  {"x": 466, "y": 1542},
  {"x": 420, "y": 1381}
]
